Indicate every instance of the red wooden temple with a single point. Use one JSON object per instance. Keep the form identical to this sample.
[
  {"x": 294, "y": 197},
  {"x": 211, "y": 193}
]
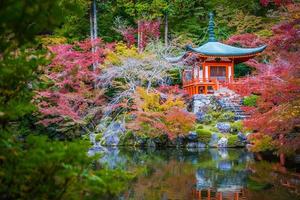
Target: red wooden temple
[{"x": 215, "y": 63}]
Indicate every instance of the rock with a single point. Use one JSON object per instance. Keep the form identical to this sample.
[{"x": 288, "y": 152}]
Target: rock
[
  {"x": 200, "y": 102},
  {"x": 112, "y": 134},
  {"x": 192, "y": 136},
  {"x": 195, "y": 145},
  {"x": 214, "y": 140},
  {"x": 200, "y": 116},
  {"x": 224, "y": 127},
  {"x": 242, "y": 137},
  {"x": 222, "y": 143}
]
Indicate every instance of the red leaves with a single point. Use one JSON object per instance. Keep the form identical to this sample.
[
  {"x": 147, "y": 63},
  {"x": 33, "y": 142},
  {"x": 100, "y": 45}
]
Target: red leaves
[
  {"x": 277, "y": 84},
  {"x": 71, "y": 94},
  {"x": 246, "y": 40},
  {"x": 276, "y": 2},
  {"x": 147, "y": 31}
]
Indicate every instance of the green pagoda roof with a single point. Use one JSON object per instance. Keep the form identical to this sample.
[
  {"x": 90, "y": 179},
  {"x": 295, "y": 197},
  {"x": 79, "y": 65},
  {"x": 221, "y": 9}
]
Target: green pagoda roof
[
  {"x": 215, "y": 48},
  {"x": 220, "y": 49}
]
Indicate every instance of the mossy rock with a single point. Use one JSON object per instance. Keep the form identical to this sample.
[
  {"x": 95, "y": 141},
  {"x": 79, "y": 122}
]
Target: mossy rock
[
  {"x": 234, "y": 141},
  {"x": 236, "y": 126},
  {"x": 199, "y": 126},
  {"x": 208, "y": 119},
  {"x": 226, "y": 117},
  {"x": 215, "y": 114},
  {"x": 204, "y": 135}
]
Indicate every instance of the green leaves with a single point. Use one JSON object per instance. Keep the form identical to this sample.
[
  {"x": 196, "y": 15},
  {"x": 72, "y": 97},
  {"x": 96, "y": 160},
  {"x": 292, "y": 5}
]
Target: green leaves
[{"x": 37, "y": 168}]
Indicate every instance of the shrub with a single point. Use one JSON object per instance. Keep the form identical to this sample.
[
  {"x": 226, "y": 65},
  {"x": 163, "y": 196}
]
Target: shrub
[
  {"x": 35, "y": 167},
  {"x": 208, "y": 118},
  {"x": 155, "y": 117},
  {"x": 199, "y": 126},
  {"x": 226, "y": 117},
  {"x": 250, "y": 100},
  {"x": 262, "y": 143},
  {"x": 204, "y": 135},
  {"x": 233, "y": 141},
  {"x": 236, "y": 126},
  {"x": 215, "y": 114},
  {"x": 98, "y": 137}
]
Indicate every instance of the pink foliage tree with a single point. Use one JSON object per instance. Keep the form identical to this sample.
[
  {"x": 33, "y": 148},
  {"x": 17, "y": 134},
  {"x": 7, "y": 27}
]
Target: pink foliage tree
[
  {"x": 71, "y": 95},
  {"x": 277, "y": 82},
  {"x": 146, "y": 31}
]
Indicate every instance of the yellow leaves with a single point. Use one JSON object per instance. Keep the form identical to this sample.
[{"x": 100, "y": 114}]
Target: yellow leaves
[
  {"x": 151, "y": 101},
  {"x": 263, "y": 143},
  {"x": 265, "y": 33},
  {"x": 120, "y": 52},
  {"x": 50, "y": 40}
]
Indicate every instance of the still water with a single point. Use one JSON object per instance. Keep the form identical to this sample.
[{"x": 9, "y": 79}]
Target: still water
[{"x": 210, "y": 174}]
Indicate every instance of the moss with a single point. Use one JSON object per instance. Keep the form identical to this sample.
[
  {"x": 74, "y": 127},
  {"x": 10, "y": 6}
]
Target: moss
[
  {"x": 233, "y": 140},
  {"x": 98, "y": 137},
  {"x": 208, "y": 118},
  {"x": 236, "y": 126},
  {"x": 199, "y": 126},
  {"x": 215, "y": 114},
  {"x": 226, "y": 117},
  {"x": 204, "y": 135}
]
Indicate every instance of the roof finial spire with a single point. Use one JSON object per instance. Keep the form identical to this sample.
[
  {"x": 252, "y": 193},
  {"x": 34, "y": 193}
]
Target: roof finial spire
[{"x": 211, "y": 26}]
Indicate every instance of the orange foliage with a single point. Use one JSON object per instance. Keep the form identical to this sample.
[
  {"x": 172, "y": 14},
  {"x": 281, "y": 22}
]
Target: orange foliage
[{"x": 155, "y": 117}]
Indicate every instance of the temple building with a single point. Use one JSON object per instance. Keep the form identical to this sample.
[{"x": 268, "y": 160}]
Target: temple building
[{"x": 215, "y": 63}]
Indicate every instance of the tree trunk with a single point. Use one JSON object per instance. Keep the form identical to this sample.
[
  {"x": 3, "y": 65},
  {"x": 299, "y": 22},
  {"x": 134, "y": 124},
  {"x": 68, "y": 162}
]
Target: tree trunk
[{"x": 166, "y": 30}]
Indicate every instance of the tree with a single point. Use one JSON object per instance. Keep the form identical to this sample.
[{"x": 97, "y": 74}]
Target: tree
[
  {"x": 71, "y": 98},
  {"x": 19, "y": 57},
  {"x": 277, "y": 84}
]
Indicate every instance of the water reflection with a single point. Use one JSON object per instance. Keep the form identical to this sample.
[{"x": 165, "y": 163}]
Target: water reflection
[{"x": 214, "y": 174}]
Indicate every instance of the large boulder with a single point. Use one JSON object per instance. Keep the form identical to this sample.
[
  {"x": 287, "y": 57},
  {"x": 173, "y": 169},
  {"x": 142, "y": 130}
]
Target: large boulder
[
  {"x": 222, "y": 143},
  {"x": 200, "y": 102},
  {"x": 223, "y": 127}
]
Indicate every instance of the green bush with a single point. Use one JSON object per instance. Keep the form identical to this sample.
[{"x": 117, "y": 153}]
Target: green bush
[
  {"x": 204, "y": 135},
  {"x": 236, "y": 126},
  {"x": 35, "y": 167},
  {"x": 233, "y": 141},
  {"x": 98, "y": 137},
  {"x": 215, "y": 114},
  {"x": 226, "y": 117},
  {"x": 250, "y": 100},
  {"x": 199, "y": 126},
  {"x": 208, "y": 118}
]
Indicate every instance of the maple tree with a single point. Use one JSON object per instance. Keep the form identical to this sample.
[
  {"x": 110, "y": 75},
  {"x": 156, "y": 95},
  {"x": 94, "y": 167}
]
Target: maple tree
[
  {"x": 155, "y": 116},
  {"x": 146, "y": 31},
  {"x": 277, "y": 83},
  {"x": 71, "y": 95}
]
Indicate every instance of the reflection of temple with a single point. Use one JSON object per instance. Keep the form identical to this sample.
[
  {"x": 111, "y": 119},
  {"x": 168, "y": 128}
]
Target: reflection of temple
[
  {"x": 223, "y": 180},
  {"x": 213, "y": 194}
]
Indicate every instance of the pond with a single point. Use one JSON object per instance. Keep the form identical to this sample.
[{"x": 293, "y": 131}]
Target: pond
[{"x": 203, "y": 174}]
